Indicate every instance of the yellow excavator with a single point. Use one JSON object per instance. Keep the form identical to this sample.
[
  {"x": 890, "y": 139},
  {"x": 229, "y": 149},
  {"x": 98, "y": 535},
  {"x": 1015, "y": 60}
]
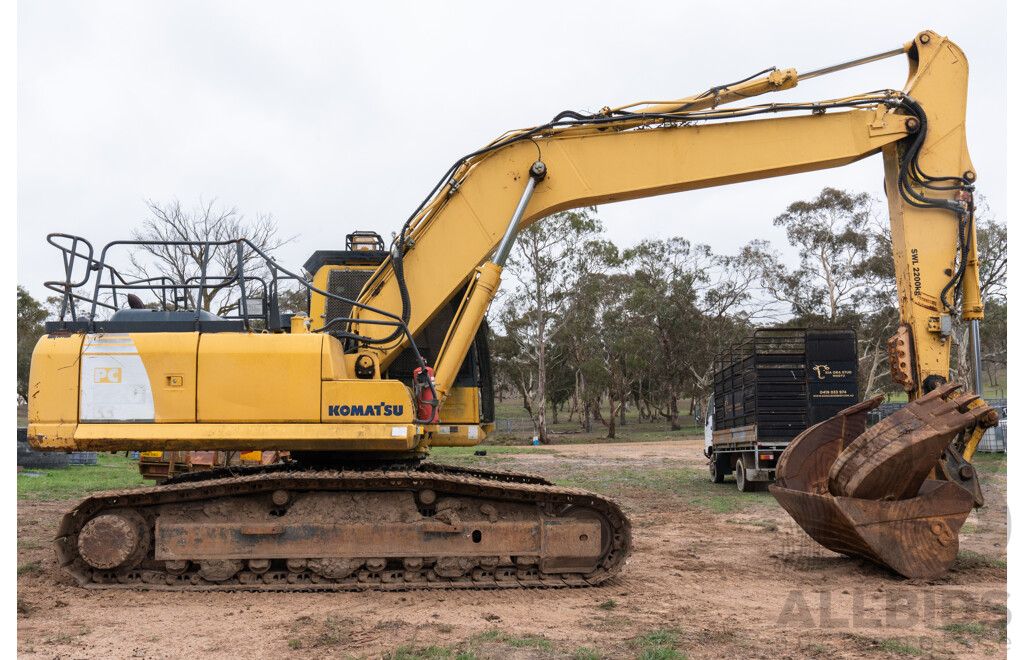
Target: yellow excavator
[{"x": 392, "y": 358}]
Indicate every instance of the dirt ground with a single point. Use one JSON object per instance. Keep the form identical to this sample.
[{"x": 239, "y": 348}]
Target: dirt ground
[{"x": 703, "y": 581}]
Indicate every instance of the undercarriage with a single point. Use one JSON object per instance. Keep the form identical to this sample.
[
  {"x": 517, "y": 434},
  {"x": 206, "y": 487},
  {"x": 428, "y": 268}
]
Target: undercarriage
[{"x": 280, "y": 528}]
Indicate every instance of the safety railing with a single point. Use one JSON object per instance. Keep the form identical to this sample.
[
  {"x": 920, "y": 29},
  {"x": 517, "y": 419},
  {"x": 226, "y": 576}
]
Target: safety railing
[{"x": 107, "y": 284}]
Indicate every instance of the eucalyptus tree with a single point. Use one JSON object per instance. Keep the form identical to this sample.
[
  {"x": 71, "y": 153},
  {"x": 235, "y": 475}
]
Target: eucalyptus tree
[{"x": 549, "y": 259}]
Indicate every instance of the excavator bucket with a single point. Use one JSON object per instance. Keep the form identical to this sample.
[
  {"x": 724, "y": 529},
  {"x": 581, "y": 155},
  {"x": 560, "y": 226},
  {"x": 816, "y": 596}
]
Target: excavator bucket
[{"x": 871, "y": 494}]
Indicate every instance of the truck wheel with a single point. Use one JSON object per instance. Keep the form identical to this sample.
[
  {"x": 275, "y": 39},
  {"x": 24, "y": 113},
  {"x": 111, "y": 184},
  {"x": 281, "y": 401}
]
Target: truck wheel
[
  {"x": 715, "y": 467},
  {"x": 744, "y": 484}
]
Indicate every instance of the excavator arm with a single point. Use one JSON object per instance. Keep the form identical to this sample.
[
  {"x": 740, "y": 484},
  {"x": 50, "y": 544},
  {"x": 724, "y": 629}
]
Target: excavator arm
[
  {"x": 697, "y": 142},
  {"x": 896, "y": 494}
]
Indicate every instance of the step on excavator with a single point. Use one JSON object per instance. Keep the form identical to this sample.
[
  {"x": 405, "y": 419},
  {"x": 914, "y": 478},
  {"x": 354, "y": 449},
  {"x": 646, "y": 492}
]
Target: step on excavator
[{"x": 391, "y": 359}]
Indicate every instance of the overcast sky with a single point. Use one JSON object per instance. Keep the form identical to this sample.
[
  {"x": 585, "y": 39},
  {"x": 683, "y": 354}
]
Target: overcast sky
[{"x": 335, "y": 118}]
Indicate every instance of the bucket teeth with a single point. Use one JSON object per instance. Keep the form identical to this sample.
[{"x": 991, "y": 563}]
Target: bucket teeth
[
  {"x": 965, "y": 400},
  {"x": 892, "y": 459}
]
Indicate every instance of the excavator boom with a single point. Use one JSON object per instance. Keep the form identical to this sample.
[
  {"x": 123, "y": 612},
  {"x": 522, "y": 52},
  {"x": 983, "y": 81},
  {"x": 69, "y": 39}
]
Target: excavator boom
[{"x": 684, "y": 145}]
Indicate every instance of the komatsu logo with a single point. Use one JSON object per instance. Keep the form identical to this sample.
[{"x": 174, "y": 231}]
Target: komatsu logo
[{"x": 381, "y": 410}]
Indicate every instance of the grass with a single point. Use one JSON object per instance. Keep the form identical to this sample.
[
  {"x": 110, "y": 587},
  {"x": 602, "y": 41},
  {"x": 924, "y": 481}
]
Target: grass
[
  {"x": 895, "y": 646},
  {"x": 719, "y": 503},
  {"x": 586, "y": 653},
  {"x": 327, "y": 639},
  {"x": 989, "y": 463},
  {"x": 516, "y": 641},
  {"x": 661, "y": 637},
  {"x": 488, "y": 643},
  {"x": 111, "y": 472},
  {"x": 886, "y": 645},
  {"x": 527, "y": 641},
  {"x": 970, "y": 559},
  {"x": 661, "y": 653},
  {"x": 495, "y": 454},
  {"x": 658, "y": 645},
  {"x": 770, "y": 524},
  {"x": 31, "y": 567},
  {"x": 691, "y": 484},
  {"x": 608, "y": 604},
  {"x": 331, "y": 636},
  {"x": 423, "y": 653},
  {"x": 964, "y": 628}
]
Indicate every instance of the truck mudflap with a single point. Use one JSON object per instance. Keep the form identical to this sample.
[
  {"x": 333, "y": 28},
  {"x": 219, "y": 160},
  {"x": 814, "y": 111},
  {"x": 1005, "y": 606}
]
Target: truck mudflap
[{"x": 874, "y": 494}]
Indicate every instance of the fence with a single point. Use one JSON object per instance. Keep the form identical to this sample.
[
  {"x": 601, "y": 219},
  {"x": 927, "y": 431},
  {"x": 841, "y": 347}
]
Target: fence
[
  {"x": 994, "y": 439},
  {"x": 513, "y": 426}
]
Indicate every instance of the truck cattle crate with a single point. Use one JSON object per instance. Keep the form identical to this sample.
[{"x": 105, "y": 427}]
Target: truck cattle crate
[{"x": 768, "y": 388}]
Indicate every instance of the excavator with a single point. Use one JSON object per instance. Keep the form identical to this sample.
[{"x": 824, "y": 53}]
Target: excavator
[{"x": 391, "y": 360}]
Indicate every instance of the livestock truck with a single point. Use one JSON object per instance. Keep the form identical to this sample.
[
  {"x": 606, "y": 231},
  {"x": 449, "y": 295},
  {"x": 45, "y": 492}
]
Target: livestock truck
[{"x": 768, "y": 388}]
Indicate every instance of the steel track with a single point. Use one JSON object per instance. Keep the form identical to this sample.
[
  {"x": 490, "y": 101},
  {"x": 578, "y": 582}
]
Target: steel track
[{"x": 490, "y": 485}]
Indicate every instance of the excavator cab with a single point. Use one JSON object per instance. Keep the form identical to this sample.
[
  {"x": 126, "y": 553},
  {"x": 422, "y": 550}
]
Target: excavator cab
[{"x": 345, "y": 273}]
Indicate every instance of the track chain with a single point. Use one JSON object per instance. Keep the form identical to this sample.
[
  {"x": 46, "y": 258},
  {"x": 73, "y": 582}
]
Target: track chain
[{"x": 450, "y": 480}]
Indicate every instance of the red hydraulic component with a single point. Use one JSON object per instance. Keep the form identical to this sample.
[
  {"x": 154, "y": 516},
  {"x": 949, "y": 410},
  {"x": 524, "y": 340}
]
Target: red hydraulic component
[{"x": 426, "y": 409}]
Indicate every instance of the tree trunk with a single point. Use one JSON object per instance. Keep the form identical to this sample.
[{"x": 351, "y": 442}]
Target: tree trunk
[
  {"x": 674, "y": 413},
  {"x": 992, "y": 375},
  {"x": 963, "y": 357},
  {"x": 542, "y": 409},
  {"x": 528, "y": 404},
  {"x": 873, "y": 372},
  {"x": 611, "y": 411}
]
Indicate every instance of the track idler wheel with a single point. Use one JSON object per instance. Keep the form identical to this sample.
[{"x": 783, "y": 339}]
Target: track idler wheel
[{"x": 117, "y": 540}]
